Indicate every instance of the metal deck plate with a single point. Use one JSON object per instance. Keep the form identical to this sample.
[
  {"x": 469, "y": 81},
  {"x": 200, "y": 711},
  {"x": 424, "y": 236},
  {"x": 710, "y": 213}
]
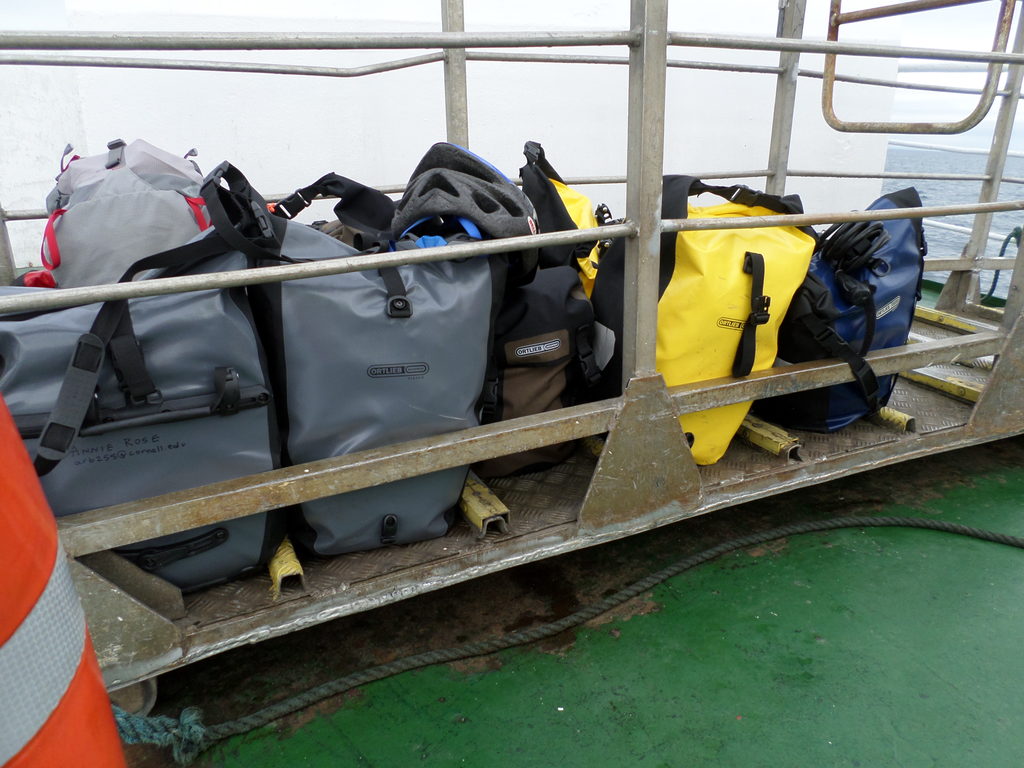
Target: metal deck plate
[{"x": 553, "y": 498}]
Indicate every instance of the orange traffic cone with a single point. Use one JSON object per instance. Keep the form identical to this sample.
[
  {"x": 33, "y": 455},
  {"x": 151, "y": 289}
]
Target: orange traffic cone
[{"x": 54, "y": 710}]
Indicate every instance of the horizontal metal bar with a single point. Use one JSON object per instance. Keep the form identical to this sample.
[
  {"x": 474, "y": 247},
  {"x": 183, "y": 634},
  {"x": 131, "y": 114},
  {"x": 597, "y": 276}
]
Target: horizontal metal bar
[
  {"x": 694, "y": 40},
  {"x": 806, "y": 219},
  {"x": 174, "y": 512},
  {"x": 101, "y": 529},
  {"x": 63, "y": 60},
  {"x": 885, "y": 83},
  {"x": 962, "y": 230},
  {"x": 564, "y": 58},
  {"x": 900, "y": 9},
  {"x": 897, "y": 175},
  {"x": 951, "y": 265},
  {"x": 950, "y": 148},
  {"x": 690, "y": 398},
  {"x": 118, "y": 62},
  {"x": 293, "y": 41},
  {"x": 71, "y": 297}
]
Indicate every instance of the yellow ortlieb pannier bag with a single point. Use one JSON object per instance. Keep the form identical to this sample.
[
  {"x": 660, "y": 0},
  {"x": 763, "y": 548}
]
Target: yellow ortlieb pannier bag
[{"x": 722, "y": 296}]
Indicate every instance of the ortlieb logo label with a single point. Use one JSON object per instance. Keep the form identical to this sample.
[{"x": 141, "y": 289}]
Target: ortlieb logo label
[
  {"x": 391, "y": 370},
  {"x": 887, "y": 308},
  {"x": 731, "y": 323},
  {"x": 539, "y": 348}
]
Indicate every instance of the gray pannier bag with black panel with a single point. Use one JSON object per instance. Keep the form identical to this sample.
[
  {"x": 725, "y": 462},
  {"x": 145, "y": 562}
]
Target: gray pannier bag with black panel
[
  {"x": 161, "y": 394},
  {"x": 377, "y": 357}
]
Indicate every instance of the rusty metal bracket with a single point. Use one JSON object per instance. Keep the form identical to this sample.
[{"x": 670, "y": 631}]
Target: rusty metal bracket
[
  {"x": 1000, "y": 409},
  {"x": 131, "y": 640},
  {"x": 837, "y": 18},
  {"x": 645, "y": 467}
]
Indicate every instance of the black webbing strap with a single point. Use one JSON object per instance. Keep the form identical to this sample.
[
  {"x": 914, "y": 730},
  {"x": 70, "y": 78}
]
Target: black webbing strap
[
  {"x": 129, "y": 364},
  {"x": 398, "y": 300},
  {"x": 363, "y": 208},
  {"x": 248, "y": 227},
  {"x": 835, "y": 346},
  {"x": 753, "y": 265},
  {"x": 76, "y": 391},
  {"x": 744, "y": 195},
  {"x": 585, "y": 352},
  {"x": 83, "y": 371}
]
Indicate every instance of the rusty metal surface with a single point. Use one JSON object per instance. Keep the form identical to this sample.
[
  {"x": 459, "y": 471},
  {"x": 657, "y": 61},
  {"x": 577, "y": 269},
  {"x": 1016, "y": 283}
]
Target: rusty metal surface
[
  {"x": 544, "y": 507},
  {"x": 646, "y": 465},
  {"x": 536, "y": 501},
  {"x": 132, "y": 641},
  {"x": 1001, "y": 403},
  {"x": 898, "y": 9}
]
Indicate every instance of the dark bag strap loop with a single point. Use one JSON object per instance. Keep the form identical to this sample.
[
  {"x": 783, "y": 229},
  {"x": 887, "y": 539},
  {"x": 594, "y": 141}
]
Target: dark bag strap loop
[
  {"x": 239, "y": 214},
  {"x": 753, "y": 265}
]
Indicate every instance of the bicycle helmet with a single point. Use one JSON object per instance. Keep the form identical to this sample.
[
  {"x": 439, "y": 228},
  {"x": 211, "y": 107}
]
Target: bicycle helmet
[{"x": 452, "y": 182}]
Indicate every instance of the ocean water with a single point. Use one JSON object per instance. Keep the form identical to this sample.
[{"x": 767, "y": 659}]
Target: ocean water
[{"x": 945, "y": 244}]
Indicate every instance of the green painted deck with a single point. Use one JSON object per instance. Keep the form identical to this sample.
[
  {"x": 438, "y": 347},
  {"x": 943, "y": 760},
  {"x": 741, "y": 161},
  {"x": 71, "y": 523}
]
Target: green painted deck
[{"x": 873, "y": 647}]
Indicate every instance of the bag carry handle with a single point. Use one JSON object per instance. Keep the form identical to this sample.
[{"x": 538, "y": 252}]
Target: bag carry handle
[
  {"x": 677, "y": 190},
  {"x": 361, "y": 207},
  {"x": 248, "y": 226},
  {"x": 113, "y": 321}
]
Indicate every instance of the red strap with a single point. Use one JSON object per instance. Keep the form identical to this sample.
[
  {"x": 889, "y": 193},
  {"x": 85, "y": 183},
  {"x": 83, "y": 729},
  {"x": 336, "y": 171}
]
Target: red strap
[
  {"x": 51, "y": 260},
  {"x": 39, "y": 279},
  {"x": 196, "y": 204}
]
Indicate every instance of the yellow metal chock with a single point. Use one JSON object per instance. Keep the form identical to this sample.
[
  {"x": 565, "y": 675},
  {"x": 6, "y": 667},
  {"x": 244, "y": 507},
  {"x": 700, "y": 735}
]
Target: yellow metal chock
[
  {"x": 283, "y": 565},
  {"x": 949, "y": 385},
  {"x": 890, "y": 417},
  {"x": 481, "y": 508},
  {"x": 594, "y": 445},
  {"x": 936, "y": 317},
  {"x": 768, "y": 437}
]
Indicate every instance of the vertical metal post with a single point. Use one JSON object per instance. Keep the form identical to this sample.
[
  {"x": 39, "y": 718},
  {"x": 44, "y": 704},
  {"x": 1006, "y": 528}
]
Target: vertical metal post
[
  {"x": 6, "y": 252},
  {"x": 644, "y": 157},
  {"x": 962, "y": 286},
  {"x": 791, "y": 24},
  {"x": 456, "y": 106}
]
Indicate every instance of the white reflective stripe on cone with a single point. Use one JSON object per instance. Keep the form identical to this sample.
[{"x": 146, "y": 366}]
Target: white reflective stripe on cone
[{"x": 39, "y": 661}]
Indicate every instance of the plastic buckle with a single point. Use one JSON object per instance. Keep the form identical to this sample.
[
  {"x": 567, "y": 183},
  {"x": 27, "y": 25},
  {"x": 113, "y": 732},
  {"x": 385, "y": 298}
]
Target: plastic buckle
[
  {"x": 743, "y": 195},
  {"x": 291, "y": 206},
  {"x": 115, "y": 153},
  {"x": 759, "y": 314},
  {"x": 262, "y": 219}
]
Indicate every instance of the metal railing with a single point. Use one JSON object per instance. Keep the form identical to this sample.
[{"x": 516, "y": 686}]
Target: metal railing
[{"x": 649, "y": 42}]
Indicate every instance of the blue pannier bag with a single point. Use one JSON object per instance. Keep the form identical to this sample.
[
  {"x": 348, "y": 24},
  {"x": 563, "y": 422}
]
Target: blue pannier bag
[{"x": 860, "y": 293}]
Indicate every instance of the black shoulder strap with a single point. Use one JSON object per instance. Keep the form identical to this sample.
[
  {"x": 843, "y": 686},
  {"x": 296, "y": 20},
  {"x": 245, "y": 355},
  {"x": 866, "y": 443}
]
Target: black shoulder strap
[
  {"x": 361, "y": 207},
  {"x": 835, "y": 346}
]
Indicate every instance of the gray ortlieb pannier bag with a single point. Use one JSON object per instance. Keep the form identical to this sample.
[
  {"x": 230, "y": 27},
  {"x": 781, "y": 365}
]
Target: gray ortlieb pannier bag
[
  {"x": 162, "y": 394},
  {"x": 372, "y": 358}
]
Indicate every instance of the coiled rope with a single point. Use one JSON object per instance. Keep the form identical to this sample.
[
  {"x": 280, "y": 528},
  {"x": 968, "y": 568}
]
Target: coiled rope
[
  {"x": 1015, "y": 235},
  {"x": 188, "y": 737}
]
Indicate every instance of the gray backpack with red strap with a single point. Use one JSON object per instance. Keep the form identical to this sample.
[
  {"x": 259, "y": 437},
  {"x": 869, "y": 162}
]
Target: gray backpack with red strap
[{"x": 108, "y": 211}]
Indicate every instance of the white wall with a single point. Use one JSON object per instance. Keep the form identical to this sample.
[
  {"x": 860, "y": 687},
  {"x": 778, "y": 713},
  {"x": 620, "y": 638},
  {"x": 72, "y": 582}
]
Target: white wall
[{"x": 284, "y": 132}]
